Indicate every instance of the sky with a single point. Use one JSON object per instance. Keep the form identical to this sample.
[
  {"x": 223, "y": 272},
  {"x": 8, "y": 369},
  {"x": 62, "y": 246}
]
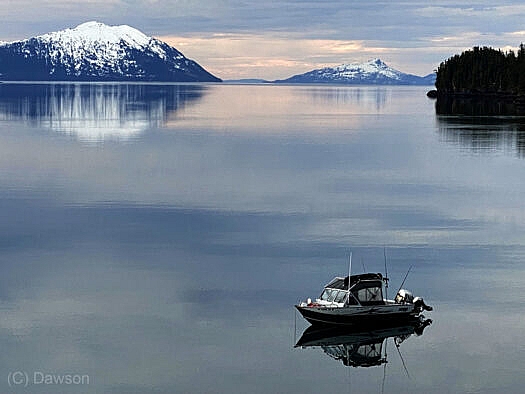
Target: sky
[{"x": 272, "y": 39}]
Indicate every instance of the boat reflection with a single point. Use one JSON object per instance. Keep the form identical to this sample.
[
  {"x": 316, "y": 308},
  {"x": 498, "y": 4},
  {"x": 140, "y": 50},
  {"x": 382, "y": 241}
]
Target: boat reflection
[
  {"x": 95, "y": 112},
  {"x": 361, "y": 346}
]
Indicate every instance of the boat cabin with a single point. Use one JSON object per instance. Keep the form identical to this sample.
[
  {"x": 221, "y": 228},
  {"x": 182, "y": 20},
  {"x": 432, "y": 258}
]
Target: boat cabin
[
  {"x": 365, "y": 289},
  {"x": 367, "y": 354}
]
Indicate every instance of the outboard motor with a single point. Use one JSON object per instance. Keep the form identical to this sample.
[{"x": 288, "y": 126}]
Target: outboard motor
[
  {"x": 404, "y": 297},
  {"x": 420, "y": 304},
  {"x": 422, "y": 324}
]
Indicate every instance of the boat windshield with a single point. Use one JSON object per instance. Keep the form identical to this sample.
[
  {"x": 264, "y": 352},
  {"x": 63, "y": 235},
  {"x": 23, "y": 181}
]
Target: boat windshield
[{"x": 334, "y": 295}]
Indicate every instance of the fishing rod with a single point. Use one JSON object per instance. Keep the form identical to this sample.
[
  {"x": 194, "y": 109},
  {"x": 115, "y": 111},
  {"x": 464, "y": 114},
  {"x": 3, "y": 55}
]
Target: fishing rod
[
  {"x": 406, "y": 276},
  {"x": 386, "y": 275},
  {"x": 349, "y": 269}
]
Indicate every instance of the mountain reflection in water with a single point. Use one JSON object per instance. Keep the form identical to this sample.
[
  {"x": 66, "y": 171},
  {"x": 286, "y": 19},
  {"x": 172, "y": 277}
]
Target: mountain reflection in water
[
  {"x": 483, "y": 125},
  {"x": 95, "y": 112},
  {"x": 372, "y": 98}
]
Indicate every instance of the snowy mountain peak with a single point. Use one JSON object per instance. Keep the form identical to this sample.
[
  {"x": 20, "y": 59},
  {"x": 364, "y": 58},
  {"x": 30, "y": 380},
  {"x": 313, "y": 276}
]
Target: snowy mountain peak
[
  {"x": 373, "y": 66},
  {"x": 91, "y": 32},
  {"x": 91, "y": 25},
  {"x": 377, "y": 62},
  {"x": 374, "y": 71},
  {"x": 98, "y": 29},
  {"x": 370, "y": 62},
  {"x": 94, "y": 51}
]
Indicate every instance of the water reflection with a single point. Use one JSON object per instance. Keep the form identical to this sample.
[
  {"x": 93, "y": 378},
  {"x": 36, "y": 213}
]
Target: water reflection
[
  {"x": 361, "y": 346},
  {"x": 170, "y": 265},
  {"x": 371, "y": 98},
  {"x": 479, "y": 107},
  {"x": 483, "y": 125},
  {"x": 95, "y": 112}
]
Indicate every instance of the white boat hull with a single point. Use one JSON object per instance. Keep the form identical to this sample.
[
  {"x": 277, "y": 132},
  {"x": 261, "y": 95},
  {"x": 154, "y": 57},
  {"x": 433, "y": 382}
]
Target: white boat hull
[{"x": 354, "y": 314}]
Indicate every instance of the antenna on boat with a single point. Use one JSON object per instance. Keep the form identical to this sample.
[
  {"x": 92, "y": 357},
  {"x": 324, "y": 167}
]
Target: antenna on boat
[
  {"x": 406, "y": 276},
  {"x": 349, "y": 269},
  {"x": 386, "y": 274},
  {"x": 402, "y": 359},
  {"x": 295, "y": 326},
  {"x": 384, "y": 370}
]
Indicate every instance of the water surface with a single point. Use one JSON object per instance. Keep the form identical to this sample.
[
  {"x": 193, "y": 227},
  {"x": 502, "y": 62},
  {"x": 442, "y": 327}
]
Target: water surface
[{"x": 155, "y": 238}]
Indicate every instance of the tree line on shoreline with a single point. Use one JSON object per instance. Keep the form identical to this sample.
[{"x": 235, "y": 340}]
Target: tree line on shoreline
[{"x": 483, "y": 71}]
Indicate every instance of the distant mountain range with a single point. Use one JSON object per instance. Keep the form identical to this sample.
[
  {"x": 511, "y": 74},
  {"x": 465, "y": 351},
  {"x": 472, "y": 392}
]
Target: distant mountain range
[
  {"x": 247, "y": 81},
  {"x": 373, "y": 72},
  {"x": 94, "y": 51}
]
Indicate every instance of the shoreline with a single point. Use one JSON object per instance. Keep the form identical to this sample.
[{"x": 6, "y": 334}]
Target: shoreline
[{"x": 508, "y": 97}]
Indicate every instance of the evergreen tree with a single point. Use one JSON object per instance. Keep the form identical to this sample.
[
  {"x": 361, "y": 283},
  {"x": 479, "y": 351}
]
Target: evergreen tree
[{"x": 483, "y": 70}]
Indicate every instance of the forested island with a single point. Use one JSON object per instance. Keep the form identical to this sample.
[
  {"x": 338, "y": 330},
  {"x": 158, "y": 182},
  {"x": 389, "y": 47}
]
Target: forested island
[{"x": 483, "y": 72}]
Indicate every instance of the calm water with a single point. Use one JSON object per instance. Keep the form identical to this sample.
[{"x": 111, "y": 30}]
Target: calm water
[{"x": 154, "y": 238}]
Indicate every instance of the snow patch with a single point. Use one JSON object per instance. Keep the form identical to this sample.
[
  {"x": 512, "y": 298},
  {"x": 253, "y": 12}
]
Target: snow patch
[
  {"x": 91, "y": 32},
  {"x": 95, "y": 50},
  {"x": 96, "y": 44},
  {"x": 374, "y": 71},
  {"x": 362, "y": 70},
  {"x": 101, "y": 44}
]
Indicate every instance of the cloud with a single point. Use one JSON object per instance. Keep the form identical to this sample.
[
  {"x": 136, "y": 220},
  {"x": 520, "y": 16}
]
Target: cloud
[
  {"x": 471, "y": 10},
  {"x": 448, "y": 12},
  {"x": 269, "y": 56},
  {"x": 466, "y": 40}
]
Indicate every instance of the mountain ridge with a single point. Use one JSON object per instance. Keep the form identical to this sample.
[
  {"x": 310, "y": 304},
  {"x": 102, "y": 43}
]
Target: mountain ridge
[
  {"x": 374, "y": 72},
  {"x": 93, "y": 51}
]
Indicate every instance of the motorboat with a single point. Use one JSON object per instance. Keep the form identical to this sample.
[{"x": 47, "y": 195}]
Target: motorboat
[
  {"x": 361, "y": 345},
  {"x": 358, "y": 299}
]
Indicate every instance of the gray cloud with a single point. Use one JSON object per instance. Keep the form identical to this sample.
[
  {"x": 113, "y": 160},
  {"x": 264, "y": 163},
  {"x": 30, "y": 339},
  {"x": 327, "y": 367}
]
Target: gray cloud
[{"x": 369, "y": 20}]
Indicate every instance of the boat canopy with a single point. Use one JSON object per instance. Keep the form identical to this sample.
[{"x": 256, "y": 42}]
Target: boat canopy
[
  {"x": 366, "y": 288},
  {"x": 342, "y": 283}
]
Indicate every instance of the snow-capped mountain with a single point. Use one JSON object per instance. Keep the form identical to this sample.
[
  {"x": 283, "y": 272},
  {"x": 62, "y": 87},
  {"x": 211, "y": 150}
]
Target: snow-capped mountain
[
  {"x": 374, "y": 72},
  {"x": 94, "y": 51}
]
